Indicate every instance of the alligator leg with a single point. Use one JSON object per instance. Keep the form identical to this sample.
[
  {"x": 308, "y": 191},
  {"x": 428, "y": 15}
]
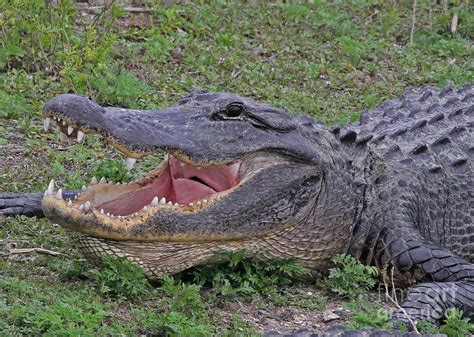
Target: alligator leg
[
  {"x": 28, "y": 204},
  {"x": 448, "y": 279}
]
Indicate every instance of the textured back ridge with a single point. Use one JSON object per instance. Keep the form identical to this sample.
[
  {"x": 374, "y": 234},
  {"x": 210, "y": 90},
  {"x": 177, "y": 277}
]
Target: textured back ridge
[{"x": 430, "y": 129}]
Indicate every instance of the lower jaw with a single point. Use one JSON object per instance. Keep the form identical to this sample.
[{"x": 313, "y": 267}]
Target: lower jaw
[{"x": 158, "y": 258}]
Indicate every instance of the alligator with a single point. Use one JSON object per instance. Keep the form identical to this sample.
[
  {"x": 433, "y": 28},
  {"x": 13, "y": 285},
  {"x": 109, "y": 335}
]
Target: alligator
[{"x": 395, "y": 189}]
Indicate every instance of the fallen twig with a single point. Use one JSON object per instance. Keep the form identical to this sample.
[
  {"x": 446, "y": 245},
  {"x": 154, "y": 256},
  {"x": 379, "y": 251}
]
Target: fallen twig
[
  {"x": 413, "y": 22},
  {"x": 98, "y": 9},
  {"x": 395, "y": 301},
  {"x": 34, "y": 250}
]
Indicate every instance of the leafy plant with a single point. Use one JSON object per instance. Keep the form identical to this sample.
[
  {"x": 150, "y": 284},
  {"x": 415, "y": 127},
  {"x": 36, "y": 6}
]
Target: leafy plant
[
  {"x": 377, "y": 319},
  {"x": 455, "y": 325},
  {"x": 185, "y": 298},
  {"x": 69, "y": 316},
  {"x": 352, "y": 279},
  {"x": 170, "y": 323},
  {"x": 246, "y": 276},
  {"x": 120, "y": 277},
  {"x": 425, "y": 327},
  {"x": 369, "y": 314},
  {"x": 112, "y": 170}
]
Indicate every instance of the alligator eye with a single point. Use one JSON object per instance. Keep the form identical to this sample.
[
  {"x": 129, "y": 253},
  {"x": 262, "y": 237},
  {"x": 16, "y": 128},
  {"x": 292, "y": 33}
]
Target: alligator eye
[{"x": 234, "y": 110}]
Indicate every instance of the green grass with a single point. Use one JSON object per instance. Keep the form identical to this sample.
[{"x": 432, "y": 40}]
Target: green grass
[{"x": 327, "y": 59}]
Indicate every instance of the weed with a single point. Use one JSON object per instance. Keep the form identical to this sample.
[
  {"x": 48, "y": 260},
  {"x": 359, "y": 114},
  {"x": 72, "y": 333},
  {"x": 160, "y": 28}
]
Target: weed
[
  {"x": 112, "y": 170},
  {"x": 367, "y": 313},
  {"x": 353, "y": 278},
  {"x": 170, "y": 323},
  {"x": 70, "y": 269},
  {"x": 455, "y": 325},
  {"x": 300, "y": 298},
  {"x": 239, "y": 328},
  {"x": 246, "y": 276},
  {"x": 120, "y": 277},
  {"x": 373, "y": 314},
  {"x": 185, "y": 297},
  {"x": 375, "y": 318},
  {"x": 425, "y": 327},
  {"x": 69, "y": 316}
]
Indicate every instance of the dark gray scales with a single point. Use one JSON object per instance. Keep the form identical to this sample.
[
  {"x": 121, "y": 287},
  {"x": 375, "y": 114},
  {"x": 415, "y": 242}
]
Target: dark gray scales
[{"x": 421, "y": 195}]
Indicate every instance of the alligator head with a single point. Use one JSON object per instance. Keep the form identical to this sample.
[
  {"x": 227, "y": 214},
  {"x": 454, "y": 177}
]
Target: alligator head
[{"x": 236, "y": 175}]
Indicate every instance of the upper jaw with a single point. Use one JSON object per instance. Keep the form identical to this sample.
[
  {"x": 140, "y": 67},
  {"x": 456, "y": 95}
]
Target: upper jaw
[{"x": 189, "y": 132}]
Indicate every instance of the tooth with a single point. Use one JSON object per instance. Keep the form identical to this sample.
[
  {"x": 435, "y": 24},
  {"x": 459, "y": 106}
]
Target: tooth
[
  {"x": 81, "y": 207},
  {"x": 87, "y": 206},
  {"x": 70, "y": 130},
  {"x": 62, "y": 136},
  {"x": 64, "y": 122},
  {"x": 144, "y": 209},
  {"x": 69, "y": 204},
  {"x": 120, "y": 217},
  {"x": 46, "y": 123},
  {"x": 108, "y": 214},
  {"x": 117, "y": 183},
  {"x": 176, "y": 204},
  {"x": 103, "y": 180},
  {"x": 191, "y": 204},
  {"x": 59, "y": 195},
  {"x": 163, "y": 201},
  {"x": 80, "y": 136},
  {"x": 170, "y": 203},
  {"x": 198, "y": 203},
  {"x": 129, "y": 162},
  {"x": 93, "y": 181},
  {"x": 102, "y": 211},
  {"x": 154, "y": 202},
  {"x": 204, "y": 201},
  {"x": 50, "y": 189}
]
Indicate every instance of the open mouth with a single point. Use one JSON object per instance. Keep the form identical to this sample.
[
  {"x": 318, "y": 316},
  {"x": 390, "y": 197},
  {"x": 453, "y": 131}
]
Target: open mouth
[{"x": 174, "y": 183}]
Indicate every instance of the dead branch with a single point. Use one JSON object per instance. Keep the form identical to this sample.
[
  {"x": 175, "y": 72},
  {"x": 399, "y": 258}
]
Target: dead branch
[
  {"x": 34, "y": 250},
  {"x": 413, "y": 22},
  {"x": 394, "y": 298}
]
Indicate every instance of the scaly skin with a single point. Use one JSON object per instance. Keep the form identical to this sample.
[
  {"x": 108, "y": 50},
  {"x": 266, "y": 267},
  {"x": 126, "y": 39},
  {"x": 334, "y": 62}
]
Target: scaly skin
[{"x": 394, "y": 190}]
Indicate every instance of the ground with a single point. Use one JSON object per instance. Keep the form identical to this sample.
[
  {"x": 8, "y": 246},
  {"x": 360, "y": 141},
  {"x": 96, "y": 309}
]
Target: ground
[{"x": 328, "y": 59}]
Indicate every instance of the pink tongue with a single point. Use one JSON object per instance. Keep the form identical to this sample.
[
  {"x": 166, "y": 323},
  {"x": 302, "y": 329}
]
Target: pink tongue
[
  {"x": 187, "y": 190},
  {"x": 219, "y": 178},
  {"x": 191, "y": 183},
  {"x": 179, "y": 183}
]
